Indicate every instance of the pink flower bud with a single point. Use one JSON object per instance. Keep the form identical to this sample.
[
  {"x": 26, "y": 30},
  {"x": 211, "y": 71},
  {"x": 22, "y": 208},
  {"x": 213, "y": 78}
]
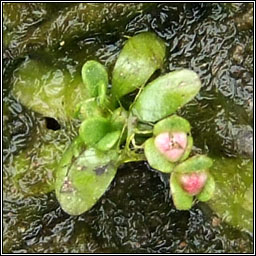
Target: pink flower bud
[
  {"x": 171, "y": 145},
  {"x": 193, "y": 183}
]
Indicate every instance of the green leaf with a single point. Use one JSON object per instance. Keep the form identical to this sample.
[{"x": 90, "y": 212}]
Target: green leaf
[
  {"x": 108, "y": 141},
  {"x": 87, "y": 109},
  {"x": 48, "y": 90},
  {"x": 155, "y": 158},
  {"x": 92, "y": 130},
  {"x": 119, "y": 118},
  {"x": 73, "y": 151},
  {"x": 173, "y": 123},
  {"x": 208, "y": 190},
  {"x": 102, "y": 95},
  {"x": 166, "y": 94},
  {"x": 193, "y": 164},
  {"x": 181, "y": 199},
  {"x": 95, "y": 78},
  {"x": 82, "y": 179},
  {"x": 141, "y": 56},
  {"x": 188, "y": 148}
]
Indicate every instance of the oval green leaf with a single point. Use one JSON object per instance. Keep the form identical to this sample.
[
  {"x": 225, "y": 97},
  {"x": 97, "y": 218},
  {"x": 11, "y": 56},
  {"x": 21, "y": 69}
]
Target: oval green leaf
[
  {"x": 193, "y": 164},
  {"x": 87, "y": 109},
  {"x": 173, "y": 123},
  {"x": 81, "y": 179},
  {"x": 181, "y": 199},
  {"x": 141, "y": 56},
  {"x": 92, "y": 130},
  {"x": 208, "y": 190},
  {"x": 155, "y": 158},
  {"x": 95, "y": 78},
  {"x": 166, "y": 94},
  {"x": 108, "y": 141}
]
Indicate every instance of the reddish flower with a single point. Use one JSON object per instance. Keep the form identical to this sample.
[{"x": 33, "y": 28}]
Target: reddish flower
[
  {"x": 171, "y": 145},
  {"x": 193, "y": 183}
]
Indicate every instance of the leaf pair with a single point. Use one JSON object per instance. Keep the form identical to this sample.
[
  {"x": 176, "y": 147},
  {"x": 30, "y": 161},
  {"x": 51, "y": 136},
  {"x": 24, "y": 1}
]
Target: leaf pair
[
  {"x": 141, "y": 56},
  {"x": 88, "y": 166},
  {"x": 95, "y": 79},
  {"x": 172, "y": 126},
  {"x": 196, "y": 165},
  {"x": 98, "y": 132},
  {"x": 83, "y": 176}
]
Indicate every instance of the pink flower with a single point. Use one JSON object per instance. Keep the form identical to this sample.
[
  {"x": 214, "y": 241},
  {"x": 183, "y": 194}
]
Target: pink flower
[
  {"x": 171, "y": 145},
  {"x": 193, "y": 183}
]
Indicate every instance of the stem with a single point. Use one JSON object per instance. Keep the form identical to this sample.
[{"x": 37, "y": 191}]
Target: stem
[
  {"x": 135, "y": 145},
  {"x": 120, "y": 138},
  {"x": 143, "y": 132},
  {"x": 132, "y": 157},
  {"x": 136, "y": 97},
  {"x": 128, "y": 142}
]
